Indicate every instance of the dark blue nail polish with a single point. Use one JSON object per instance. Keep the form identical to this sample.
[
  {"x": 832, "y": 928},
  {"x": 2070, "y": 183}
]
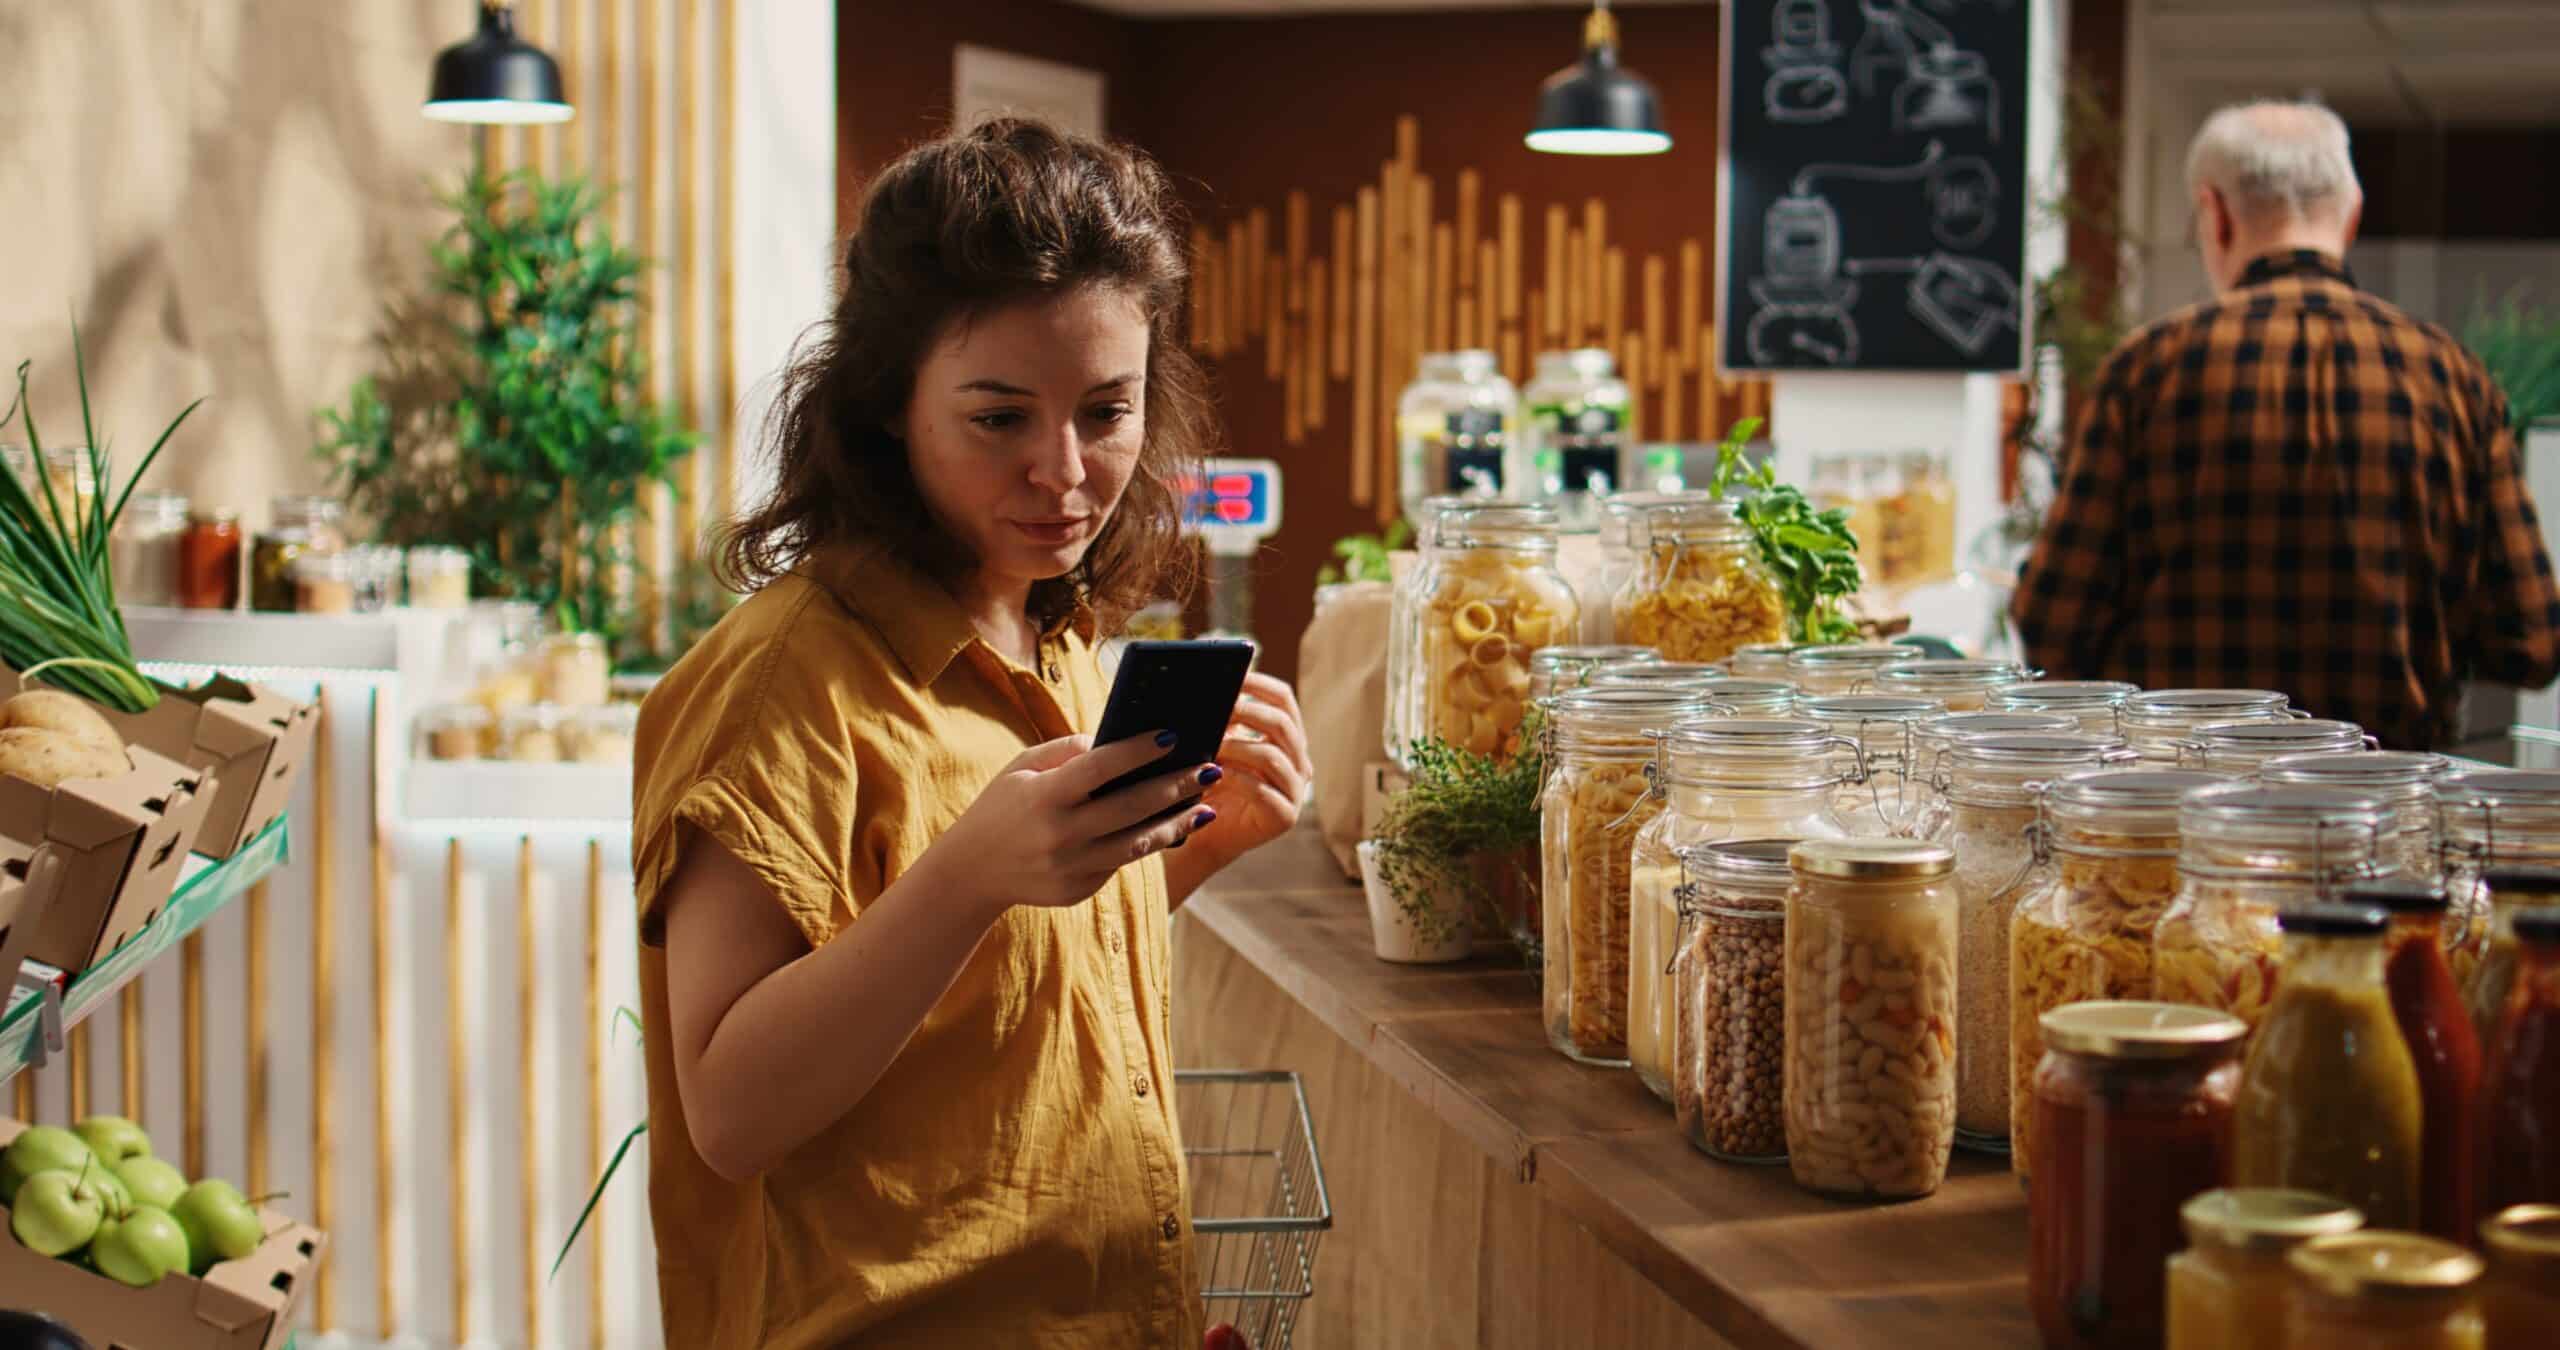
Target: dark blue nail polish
[
  {"x": 1185, "y": 839},
  {"x": 1211, "y": 774},
  {"x": 1202, "y": 819},
  {"x": 1165, "y": 740}
]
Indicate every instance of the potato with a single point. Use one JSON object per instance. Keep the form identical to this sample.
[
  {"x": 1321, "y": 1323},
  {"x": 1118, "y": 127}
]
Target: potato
[
  {"x": 53, "y": 710},
  {"x": 52, "y": 758}
]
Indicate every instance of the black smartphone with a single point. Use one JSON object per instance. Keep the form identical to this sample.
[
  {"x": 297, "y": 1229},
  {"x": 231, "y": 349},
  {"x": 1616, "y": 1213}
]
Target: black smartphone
[{"x": 1187, "y": 688}]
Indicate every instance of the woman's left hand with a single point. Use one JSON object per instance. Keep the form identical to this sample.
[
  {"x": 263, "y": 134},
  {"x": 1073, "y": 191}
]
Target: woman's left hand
[{"x": 1266, "y": 767}]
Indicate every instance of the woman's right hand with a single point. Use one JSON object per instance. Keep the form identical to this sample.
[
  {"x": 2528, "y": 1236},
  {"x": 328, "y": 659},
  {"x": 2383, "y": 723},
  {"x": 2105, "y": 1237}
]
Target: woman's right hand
[{"x": 1037, "y": 836}]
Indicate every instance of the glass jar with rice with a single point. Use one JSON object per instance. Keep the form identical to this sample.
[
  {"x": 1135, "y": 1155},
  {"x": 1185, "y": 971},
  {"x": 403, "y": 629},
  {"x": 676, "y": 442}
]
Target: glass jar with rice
[
  {"x": 2155, "y": 721},
  {"x": 2246, "y": 851},
  {"x": 1890, "y": 793},
  {"x": 1699, "y": 592}
]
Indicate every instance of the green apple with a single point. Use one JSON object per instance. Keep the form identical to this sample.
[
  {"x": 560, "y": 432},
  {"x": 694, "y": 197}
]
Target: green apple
[
  {"x": 140, "y": 1248},
  {"x": 42, "y": 1148},
  {"x": 119, "y": 1195},
  {"x": 152, "y": 1181},
  {"x": 220, "y": 1223},
  {"x": 57, "y": 1213},
  {"x": 114, "y": 1138}
]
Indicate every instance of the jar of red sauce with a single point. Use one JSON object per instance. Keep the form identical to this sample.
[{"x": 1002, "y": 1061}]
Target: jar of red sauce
[
  {"x": 2521, "y": 1100},
  {"x": 2427, "y": 1003},
  {"x": 2131, "y": 1119},
  {"x": 209, "y": 560}
]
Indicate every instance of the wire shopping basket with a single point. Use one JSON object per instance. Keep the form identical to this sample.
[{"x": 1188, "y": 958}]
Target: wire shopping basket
[{"x": 1258, "y": 1203}]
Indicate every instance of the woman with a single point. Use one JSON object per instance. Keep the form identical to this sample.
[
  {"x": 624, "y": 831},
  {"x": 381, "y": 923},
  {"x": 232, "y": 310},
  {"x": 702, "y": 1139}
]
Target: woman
[{"x": 914, "y": 1082}]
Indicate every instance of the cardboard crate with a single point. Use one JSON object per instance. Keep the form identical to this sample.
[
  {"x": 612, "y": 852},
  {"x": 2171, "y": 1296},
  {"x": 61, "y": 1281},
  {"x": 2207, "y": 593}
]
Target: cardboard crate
[
  {"x": 238, "y": 1305},
  {"x": 21, "y": 901},
  {"x": 119, "y": 845},
  {"x": 251, "y": 738}
]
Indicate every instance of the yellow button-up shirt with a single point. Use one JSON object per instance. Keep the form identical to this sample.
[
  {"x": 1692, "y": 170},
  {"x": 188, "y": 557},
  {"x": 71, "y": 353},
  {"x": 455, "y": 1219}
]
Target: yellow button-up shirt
[{"x": 1016, "y": 1176}]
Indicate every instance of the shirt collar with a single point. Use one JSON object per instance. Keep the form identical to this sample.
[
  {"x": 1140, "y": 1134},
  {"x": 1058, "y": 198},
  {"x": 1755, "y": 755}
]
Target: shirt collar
[
  {"x": 918, "y": 617},
  {"x": 2299, "y": 262}
]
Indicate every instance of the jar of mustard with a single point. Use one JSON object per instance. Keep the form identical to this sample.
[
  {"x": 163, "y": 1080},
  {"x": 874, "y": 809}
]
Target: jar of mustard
[
  {"x": 2382, "y": 1290},
  {"x": 2227, "y": 1289}
]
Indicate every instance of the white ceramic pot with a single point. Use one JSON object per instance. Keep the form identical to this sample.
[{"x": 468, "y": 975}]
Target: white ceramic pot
[{"x": 1393, "y": 934}]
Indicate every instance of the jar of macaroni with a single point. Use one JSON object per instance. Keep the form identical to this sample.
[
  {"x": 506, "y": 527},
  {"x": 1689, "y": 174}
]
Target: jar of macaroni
[
  {"x": 1871, "y": 1017},
  {"x": 2240, "y": 747},
  {"x": 1487, "y": 600},
  {"x": 2520, "y": 1300},
  {"x": 1554, "y": 670},
  {"x": 325, "y": 583},
  {"x": 1699, "y": 592},
  {"x": 2097, "y": 705},
  {"x": 1844, "y": 668},
  {"x": 2379, "y": 1290},
  {"x": 1598, "y": 797},
  {"x": 2244, "y": 852},
  {"x": 2492, "y": 818},
  {"x": 2227, "y": 1289},
  {"x": 2405, "y": 781},
  {"x": 439, "y": 578},
  {"x": 1963, "y": 686},
  {"x": 1715, "y": 778},
  {"x": 530, "y": 735},
  {"x": 1889, "y": 795},
  {"x": 2082, "y": 932},
  {"x": 1728, "y": 1000},
  {"x": 69, "y": 477},
  {"x": 2157, "y": 721},
  {"x": 143, "y": 554},
  {"x": 600, "y": 735},
  {"x": 574, "y": 671}
]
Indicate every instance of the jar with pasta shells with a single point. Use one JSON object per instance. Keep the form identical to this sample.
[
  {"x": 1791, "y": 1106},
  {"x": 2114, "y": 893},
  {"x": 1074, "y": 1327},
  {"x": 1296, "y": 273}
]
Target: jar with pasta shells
[
  {"x": 1845, "y": 667},
  {"x": 1962, "y": 685},
  {"x": 1487, "y": 600},
  {"x": 2244, "y": 852},
  {"x": 2097, "y": 705},
  {"x": 1716, "y": 778},
  {"x": 1699, "y": 591},
  {"x": 2155, "y": 721},
  {"x": 1598, "y": 797},
  {"x": 1986, "y": 810},
  {"x": 1764, "y": 660},
  {"x": 2240, "y": 747},
  {"x": 2082, "y": 932},
  {"x": 2492, "y": 818},
  {"x": 1934, "y": 737},
  {"x": 1890, "y": 793},
  {"x": 2405, "y": 781},
  {"x": 1554, "y": 670}
]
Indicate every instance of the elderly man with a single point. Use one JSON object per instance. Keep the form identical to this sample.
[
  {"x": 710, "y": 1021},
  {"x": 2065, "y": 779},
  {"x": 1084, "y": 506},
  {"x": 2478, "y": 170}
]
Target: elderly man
[{"x": 2293, "y": 485}]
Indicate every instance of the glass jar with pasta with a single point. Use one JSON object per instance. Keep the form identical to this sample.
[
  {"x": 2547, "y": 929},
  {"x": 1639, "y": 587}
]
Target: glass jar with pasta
[
  {"x": 2244, "y": 852},
  {"x": 1404, "y": 627},
  {"x": 1889, "y": 795},
  {"x": 1844, "y": 667},
  {"x": 2492, "y": 818},
  {"x": 1487, "y": 600},
  {"x": 2405, "y": 781},
  {"x": 1699, "y": 592},
  {"x": 1620, "y": 540},
  {"x": 1963, "y": 686},
  {"x": 1554, "y": 670},
  {"x": 1598, "y": 796},
  {"x": 1718, "y": 778},
  {"x": 1988, "y": 794},
  {"x": 2082, "y": 933},
  {"x": 2240, "y": 747},
  {"x": 2097, "y": 705},
  {"x": 2156, "y": 720},
  {"x": 1729, "y": 1017}
]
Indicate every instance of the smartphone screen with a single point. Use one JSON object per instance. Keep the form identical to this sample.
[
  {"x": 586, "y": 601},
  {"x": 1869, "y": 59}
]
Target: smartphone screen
[{"x": 1187, "y": 688}]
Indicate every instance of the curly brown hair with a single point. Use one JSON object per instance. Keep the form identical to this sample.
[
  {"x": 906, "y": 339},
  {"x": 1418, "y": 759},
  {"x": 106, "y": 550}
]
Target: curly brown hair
[{"x": 1009, "y": 210}]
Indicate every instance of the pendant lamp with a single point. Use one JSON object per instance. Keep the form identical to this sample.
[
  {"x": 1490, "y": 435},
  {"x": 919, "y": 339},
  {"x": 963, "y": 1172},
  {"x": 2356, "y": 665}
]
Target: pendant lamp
[
  {"x": 495, "y": 77},
  {"x": 1595, "y": 106}
]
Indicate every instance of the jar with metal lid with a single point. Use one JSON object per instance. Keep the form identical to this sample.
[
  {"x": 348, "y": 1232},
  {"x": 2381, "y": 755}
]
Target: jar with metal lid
[
  {"x": 377, "y": 578},
  {"x": 296, "y": 525},
  {"x": 2520, "y": 1300},
  {"x": 2095, "y": 704},
  {"x": 2520, "y": 1093},
  {"x": 324, "y": 583},
  {"x": 143, "y": 554},
  {"x": 456, "y": 731},
  {"x": 1890, "y": 795},
  {"x": 1453, "y": 428},
  {"x": 2378, "y": 1290},
  {"x": 1553, "y": 670},
  {"x": 1963, "y": 686},
  {"x": 1935, "y": 736},
  {"x": 1598, "y": 796},
  {"x": 2083, "y": 930},
  {"x": 1488, "y": 598},
  {"x": 530, "y": 734},
  {"x": 1699, "y": 592},
  {"x": 1751, "y": 698},
  {"x": 2240, "y": 747},
  {"x": 1764, "y": 660},
  {"x": 2132, "y": 1106},
  {"x": 1655, "y": 675},
  {"x": 1621, "y": 540},
  {"x": 2405, "y": 782},
  {"x": 574, "y": 670},
  {"x": 439, "y": 578},
  {"x": 1404, "y": 629},
  {"x": 600, "y": 735},
  {"x": 1986, "y": 805},
  {"x": 1575, "y": 423},
  {"x": 2227, "y": 1289},
  {"x": 1729, "y": 1015},
  {"x": 2244, "y": 852},
  {"x": 1844, "y": 668},
  {"x": 1715, "y": 778},
  {"x": 209, "y": 560},
  {"x": 2510, "y": 891},
  {"x": 2157, "y": 720},
  {"x": 2492, "y": 818},
  {"x": 1871, "y": 1005},
  {"x": 2329, "y": 1094}
]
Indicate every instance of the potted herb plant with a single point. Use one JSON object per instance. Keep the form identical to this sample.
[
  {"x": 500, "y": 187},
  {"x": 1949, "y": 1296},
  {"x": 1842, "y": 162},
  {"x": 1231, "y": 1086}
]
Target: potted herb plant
[{"x": 1456, "y": 851}]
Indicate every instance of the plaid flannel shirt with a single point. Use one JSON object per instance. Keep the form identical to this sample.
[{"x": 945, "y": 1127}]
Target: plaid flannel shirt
[{"x": 2296, "y": 486}]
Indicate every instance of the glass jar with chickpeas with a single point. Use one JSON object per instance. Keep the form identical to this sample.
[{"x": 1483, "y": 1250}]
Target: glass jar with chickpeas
[{"x": 1488, "y": 599}]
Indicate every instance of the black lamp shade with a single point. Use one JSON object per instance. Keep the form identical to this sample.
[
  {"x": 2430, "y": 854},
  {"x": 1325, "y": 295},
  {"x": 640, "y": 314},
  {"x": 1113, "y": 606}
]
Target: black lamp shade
[
  {"x": 496, "y": 77},
  {"x": 1597, "y": 107}
]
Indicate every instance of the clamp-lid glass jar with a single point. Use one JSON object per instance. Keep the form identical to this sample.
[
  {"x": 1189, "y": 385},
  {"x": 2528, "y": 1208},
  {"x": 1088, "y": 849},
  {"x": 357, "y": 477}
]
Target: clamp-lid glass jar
[
  {"x": 1716, "y": 778},
  {"x": 1933, "y": 738},
  {"x": 1699, "y": 592},
  {"x": 2379, "y": 1290},
  {"x": 1870, "y": 992},
  {"x": 1553, "y": 670},
  {"x": 1844, "y": 667},
  {"x": 1453, "y": 428},
  {"x": 2405, "y": 782},
  {"x": 2493, "y": 818},
  {"x": 1404, "y": 630},
  {"x": 2240, "y": 747},
  {"x": 1487, "y": 600},
  {"x": 601, "y": 735},
  {"x": 1751, "y": 698},
  {"x": 1962, "y": 685},
  {"x": 1655, "y": 675},
  {"x": 1574, "y": 426},
  {"x": 2227, "y": 1289},
  {"x": 2083, "y": 930},
  {"x": 1621, "y": 539},
  {"x": 2520, "y": 1301},
  {"x": 1729, "y": 1016},
  {"x": 2156, "y": 720},
  {"x": 1598, "y": 796},
  {"x": 1764, "y": 660},
  {"x": 1890, "y": 794},
  {"x": 2244, "y": 852},
  {"x": 2097, "y": 705}
]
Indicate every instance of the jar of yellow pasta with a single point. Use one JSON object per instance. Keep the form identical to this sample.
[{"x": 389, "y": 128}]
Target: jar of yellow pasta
[
  {"x": 1597, "y": 798},
  {"x": 1963, "y": 686},
  {"x": 1764, "y": 660},
  {"x": 1404, "y": 631},
  {"x": 1890, "y": 793},
  {"x": 2097, "y": 705},
  {"x": 2492, "y": 818},
  {"x": 2155, "y": 721},
  {"x": 2240, "y": 747},
  {"x": 1844, "y": 668},
  {"x": 1699, "y": 592},
  {"x": 1718, "y": 778},
  {"x": 1487, "y": 600},
  {"x": 2082, "y": 932},
  {"x": 2244, "y": 852},
  {"x": 1620, "y": 539},
  {"x": 1554, "y": 670}
]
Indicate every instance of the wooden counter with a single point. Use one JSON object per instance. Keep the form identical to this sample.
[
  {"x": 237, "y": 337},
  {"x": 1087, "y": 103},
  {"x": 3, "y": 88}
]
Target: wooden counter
[{"x": 1488, "y": 1191}]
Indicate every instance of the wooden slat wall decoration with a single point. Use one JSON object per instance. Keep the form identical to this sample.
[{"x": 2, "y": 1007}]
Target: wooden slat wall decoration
[
  {"x": 1314, "y": 368},
  {"x": 1338, "y": 337},
  {"x": 1364, "y": 352},
  {"x": 1257, "y": 248},
  {"x": 1444, "y": 288}
]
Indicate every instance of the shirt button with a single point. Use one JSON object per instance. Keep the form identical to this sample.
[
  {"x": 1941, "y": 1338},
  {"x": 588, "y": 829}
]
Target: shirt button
[
  {"x": 1172, "y": 1228},
  {"x": 1138, "y": 1083},
  {"x": 1111, "y": 940}
]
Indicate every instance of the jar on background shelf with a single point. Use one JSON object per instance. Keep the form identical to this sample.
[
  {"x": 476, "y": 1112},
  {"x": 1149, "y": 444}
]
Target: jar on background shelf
[
  {"x": 2378, "y": 1290},
  {"x": 1486, "y": 600},
  {"x": 1576, "y": 423},
  {"x": 69, "y": 478},
  {"x": 1889, "y": 794},
  {"x": 1844, "y": 667},
  {"x": 600, "y": 735},
  {"x": 2240, "y": 747},
  {"x": 2520, "y": 1299},
  {"x": 1962, "y": 685},
  {"x": 2244, "y": 852},
  {"x": 530, "y": 734},
  {"x": 2131, "y": 1110},
  {"x": 2521, "y": 1092},
  {"x": 2492, "y": 818},
  {"x": 325, "y": 583},
  {"x": 574, "y": 670},
  {"x": 2227, "y": 1290},
  {"x": 377, "y": 577},
  {"x": 209, "y": 559},
  {"x": 1454, "y": 426},
  {"x": 143, "y": 555},
  {"x": 439, "y": 578},
  {"x": 1554, "y": 670},
  {"x": 2097, "y": 705},
  {"x": 2156, "y": 721},
  {"x": 1699, "y": 592},
  {"x": 1728, "y": 999},
  {"x": 457, "y": 731},
  {"x": 296, "y": 525}
]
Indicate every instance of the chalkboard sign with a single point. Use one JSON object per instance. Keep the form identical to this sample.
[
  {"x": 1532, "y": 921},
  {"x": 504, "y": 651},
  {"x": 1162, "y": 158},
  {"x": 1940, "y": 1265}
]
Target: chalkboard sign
[{"x": 1873, "y": 205}]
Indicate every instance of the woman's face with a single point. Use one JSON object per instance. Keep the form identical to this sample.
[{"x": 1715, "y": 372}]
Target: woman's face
[{"x": 1024, "y": 428}]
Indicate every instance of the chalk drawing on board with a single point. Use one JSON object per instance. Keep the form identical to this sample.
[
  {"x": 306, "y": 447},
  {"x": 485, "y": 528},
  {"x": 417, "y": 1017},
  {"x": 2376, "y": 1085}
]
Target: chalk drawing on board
[
  {"x": 1936, "y": 85},
  {"x": 1964, "y": 202},
  {"x": 1805, "y": 85},
  {"x": 1967, "y": 301},
  {"x": 1804, "y": 301}
]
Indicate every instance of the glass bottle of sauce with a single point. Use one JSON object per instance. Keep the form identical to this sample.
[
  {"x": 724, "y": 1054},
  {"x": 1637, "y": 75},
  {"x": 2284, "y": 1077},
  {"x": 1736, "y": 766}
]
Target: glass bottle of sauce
[
  {"x": 2520, "y": 1301},
  {"x": 2227, "y": 1289},
  {"x": 2132, "y": 1114},
  {"x": 2511, "y": 891},
  {"x": 2329, "y": 1096},
  {"x": 2437, "y": 1030},
  {"x": 209, "y": 560},
  {"x": 2379, "y": 1290},
  {"x": 2521, "y": 1096}
]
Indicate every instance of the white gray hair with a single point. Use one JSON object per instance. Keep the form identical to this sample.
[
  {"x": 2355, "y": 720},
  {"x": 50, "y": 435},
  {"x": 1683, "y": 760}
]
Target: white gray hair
[{"x": 2276, "y": 157}]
